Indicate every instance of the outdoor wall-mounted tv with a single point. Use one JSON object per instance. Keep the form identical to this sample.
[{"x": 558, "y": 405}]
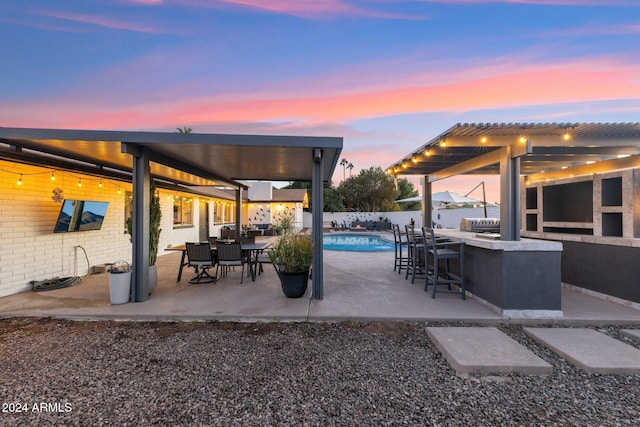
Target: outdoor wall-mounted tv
[{"x": 80, "y": 215}]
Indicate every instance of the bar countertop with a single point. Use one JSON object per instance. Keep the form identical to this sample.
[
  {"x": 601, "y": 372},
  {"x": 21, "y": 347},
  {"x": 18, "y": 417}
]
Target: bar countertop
[{"x": 492, "y": 241}]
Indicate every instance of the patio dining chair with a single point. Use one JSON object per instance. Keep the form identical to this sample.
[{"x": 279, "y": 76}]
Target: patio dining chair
[
  {"x": 230, "y": 255},
  {"x": 201, "y": 259},
  {"x": 437, "y": 274},
  {"x": 261, "y": 259}
]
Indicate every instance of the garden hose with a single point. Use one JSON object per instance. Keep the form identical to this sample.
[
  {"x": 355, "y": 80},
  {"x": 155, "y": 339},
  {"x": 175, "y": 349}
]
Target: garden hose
[
  {"x": 55, "y": 283},
  {"x": 59, "y": 282}
]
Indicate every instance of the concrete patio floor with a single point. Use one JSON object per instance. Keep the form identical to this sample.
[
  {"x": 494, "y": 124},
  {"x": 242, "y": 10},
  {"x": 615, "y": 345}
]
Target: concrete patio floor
[{"x": 357, "y": 286}]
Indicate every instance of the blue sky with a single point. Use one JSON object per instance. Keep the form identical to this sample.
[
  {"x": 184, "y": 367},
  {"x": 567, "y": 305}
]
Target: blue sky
[{"x": 387, "y": 75}]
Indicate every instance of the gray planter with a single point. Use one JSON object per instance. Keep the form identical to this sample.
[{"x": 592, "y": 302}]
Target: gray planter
[{"x": 120, "y": 287}]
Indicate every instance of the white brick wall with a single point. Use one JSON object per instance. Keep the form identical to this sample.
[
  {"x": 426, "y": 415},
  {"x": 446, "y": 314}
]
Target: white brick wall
[{"x": 30, "y": 250}]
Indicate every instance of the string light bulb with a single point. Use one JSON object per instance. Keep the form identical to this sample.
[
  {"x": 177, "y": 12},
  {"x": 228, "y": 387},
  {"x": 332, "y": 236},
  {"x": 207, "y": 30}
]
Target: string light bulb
[
  {"x": 100, "y": 183},
  {"x": 483, "y": 140},
  {"x": 53, "y": 175},
  {"x": 566, "y": 136},
  {"x": 79, "y": 182},
  {"x": 20, "y": 180},
  {"x": 427, "y": 153}
]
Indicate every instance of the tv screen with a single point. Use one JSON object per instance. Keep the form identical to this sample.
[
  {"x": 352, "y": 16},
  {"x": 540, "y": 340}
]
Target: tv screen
[{"x": 80, "y": 215}]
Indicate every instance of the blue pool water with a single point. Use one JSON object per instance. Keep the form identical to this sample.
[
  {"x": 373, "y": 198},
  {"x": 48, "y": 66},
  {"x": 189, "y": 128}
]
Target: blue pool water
[{"x": 357, "y": 243}]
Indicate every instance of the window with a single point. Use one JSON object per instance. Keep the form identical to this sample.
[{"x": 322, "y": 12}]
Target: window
[{"x": 182, "y": 211}]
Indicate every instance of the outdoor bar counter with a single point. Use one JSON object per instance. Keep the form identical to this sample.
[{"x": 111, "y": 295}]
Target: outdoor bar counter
[{"x": 519, "y": 279}]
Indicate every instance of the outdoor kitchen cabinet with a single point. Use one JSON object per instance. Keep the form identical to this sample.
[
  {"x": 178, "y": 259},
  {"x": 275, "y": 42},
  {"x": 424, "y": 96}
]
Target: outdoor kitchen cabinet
[{"x": 597, "y": 219}]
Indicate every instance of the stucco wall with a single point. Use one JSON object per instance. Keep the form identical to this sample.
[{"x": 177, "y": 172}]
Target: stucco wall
[{"x": 444, "y": 218}]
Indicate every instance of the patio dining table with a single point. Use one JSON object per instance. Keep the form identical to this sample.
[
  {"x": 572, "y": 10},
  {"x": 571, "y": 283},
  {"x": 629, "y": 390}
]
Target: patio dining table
[{"x": 252, "y": 248}]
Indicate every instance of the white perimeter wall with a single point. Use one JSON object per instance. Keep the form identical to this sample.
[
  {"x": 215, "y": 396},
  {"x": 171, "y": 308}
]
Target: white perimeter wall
[{"x": 443, "y": 218}]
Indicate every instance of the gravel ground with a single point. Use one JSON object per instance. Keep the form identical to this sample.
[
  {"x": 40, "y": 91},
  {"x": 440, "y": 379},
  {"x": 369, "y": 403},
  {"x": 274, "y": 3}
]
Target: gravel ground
[{"x": 270, "y": 374}]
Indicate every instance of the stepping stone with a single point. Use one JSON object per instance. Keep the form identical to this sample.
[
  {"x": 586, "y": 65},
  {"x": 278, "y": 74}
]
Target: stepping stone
[
  {"x": 634, "y": 334},
  {"x": 590, "y": 350},
  {"x": 485, "y": 351}
]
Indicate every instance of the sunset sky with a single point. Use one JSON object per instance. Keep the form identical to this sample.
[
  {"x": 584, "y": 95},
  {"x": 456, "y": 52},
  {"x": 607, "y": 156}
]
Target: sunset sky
[{"x": 386, "y": 75}]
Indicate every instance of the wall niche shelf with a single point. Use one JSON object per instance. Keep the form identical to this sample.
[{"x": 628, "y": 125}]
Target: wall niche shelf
[{"x": 593, "y": 205}]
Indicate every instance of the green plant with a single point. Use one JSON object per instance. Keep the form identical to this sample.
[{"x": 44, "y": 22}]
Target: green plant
[
  {"x": 292, "y": 253},
  {"x": 284, "y": 223},
  {"x": 155, "y": 216}
]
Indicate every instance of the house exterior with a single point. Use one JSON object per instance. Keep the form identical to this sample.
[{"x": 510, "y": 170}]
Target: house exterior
[
  {"x": 265, "y": 204},
  {"x": 32, "y": 197},
  {"x": 175, "y": 161}
]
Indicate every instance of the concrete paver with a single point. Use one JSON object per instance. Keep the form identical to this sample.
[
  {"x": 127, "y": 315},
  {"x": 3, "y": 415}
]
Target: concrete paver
[
  {"x": 589, "y": 349},
  {"x": 485, "y": 350}
]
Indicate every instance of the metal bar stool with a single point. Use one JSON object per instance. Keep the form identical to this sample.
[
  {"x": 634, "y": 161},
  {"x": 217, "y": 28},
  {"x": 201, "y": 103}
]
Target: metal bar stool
[
  {"x": 401, "y": 249},
  {"x": 439, "y": 249},
  {"x": 415, "y": 249}
]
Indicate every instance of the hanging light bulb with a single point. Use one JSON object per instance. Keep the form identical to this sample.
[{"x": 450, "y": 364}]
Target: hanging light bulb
[
  {"x": 119, "y": 191},
  {"x": 53, "y": 175},
  {"x": 100, "y": 183},
  {"x": 20, "y": 180},
  {"x": 79, "y": 182},
  {"x": 566, "y": 136}
]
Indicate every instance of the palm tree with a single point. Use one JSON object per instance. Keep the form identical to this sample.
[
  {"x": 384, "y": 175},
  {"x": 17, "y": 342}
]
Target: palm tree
[
  {"x": 344, "y": 162},
  {"x": 184, "y": 129},
  {"x": 350, "y": 167}
]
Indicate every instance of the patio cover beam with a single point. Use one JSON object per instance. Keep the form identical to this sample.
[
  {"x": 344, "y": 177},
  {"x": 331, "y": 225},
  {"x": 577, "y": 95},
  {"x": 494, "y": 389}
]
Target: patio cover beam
[{"x": 491, "y": 158}]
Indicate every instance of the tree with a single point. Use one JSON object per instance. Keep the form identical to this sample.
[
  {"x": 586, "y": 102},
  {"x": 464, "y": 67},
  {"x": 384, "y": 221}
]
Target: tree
[
  {"x": 185, "y": 129},
  {"x": 406, "y": 189},
  {"x": 344, "y": 162},
  {"x": 332, "y": 200},
  {"x": 350, "y": 167},
  {"x": 372, "y": 190}
]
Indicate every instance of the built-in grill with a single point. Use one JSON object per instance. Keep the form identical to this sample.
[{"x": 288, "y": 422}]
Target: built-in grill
[{"x": 480, "y": 225}]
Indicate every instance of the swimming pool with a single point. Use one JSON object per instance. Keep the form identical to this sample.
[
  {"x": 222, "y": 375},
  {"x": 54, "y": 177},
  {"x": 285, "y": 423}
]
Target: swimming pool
[{"x": 356, "y": 243}]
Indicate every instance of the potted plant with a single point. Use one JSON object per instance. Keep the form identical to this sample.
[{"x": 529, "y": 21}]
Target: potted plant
[
  {"x": 155, "y": 216},
  {"x": 292, "y": 256},
  {"x": 119, "y": 282}
]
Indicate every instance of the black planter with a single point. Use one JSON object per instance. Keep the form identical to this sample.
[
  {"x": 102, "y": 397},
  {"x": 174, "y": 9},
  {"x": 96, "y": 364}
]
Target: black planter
[{"x": 294, "y": 285}]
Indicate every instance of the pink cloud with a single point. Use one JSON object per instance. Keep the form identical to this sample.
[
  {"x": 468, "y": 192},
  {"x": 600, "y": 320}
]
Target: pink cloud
[
  {"x": 102, "y": 21},
  {"x": 299, "y": 8},
  {"x": 569, "y": 82},
  {"x": 593, "y": 80},
  {"x": 544, "y": 2}
]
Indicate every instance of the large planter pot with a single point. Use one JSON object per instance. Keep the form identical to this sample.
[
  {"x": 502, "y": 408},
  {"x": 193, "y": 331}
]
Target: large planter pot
[
  {"x": 120, "y": 287},
  {"x": 294, "y": 285},
  {"x": 153, "y": 278}
]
